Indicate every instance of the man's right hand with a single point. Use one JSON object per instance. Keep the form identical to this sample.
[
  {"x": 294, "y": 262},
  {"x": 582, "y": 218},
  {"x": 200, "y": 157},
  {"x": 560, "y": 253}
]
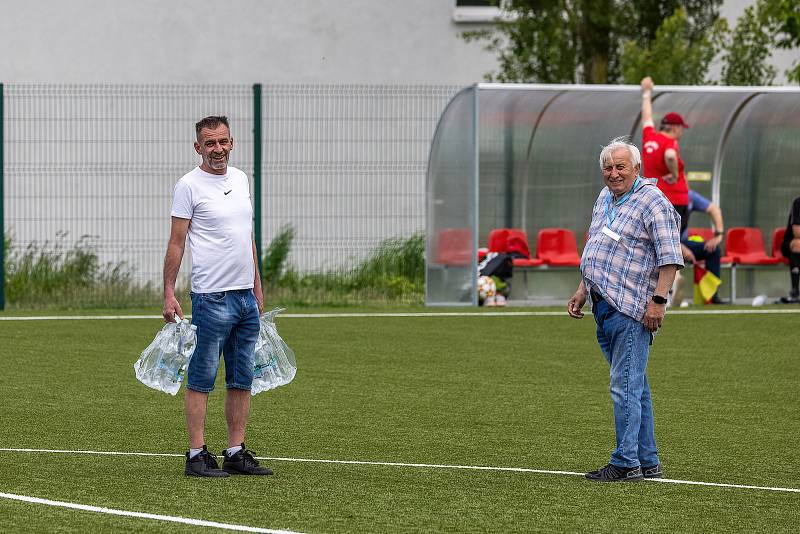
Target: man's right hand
[
  {"x": 647, "y": 84},
  {"x": 171, "y": 309},
  {"x": 576, "y": 303},
  {"x": 712, "y": 244}
]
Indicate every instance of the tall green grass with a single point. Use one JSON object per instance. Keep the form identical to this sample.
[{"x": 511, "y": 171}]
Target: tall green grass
[
  {"x": 64, "y": 274},
  {"x": 276, "y": 256},
  {"x": 393, "y": 273},
  {"x": 59, "y": 274}
]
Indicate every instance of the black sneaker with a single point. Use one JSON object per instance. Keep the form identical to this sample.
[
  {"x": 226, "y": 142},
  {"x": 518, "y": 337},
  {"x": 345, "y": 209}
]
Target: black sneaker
[
  {"x": 716, "y": 300},
  {"x": 653, "y": 471},
  {"x": 789, "y": 299},
  {"x": 613, "y": 473},
  {"x": 243, "y": 463},
  {"x": 203, "y": 465}
]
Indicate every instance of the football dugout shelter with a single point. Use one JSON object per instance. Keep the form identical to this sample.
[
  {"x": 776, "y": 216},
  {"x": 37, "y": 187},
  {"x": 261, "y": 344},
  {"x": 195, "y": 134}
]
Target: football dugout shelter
[{"x": 524, "y": 158}]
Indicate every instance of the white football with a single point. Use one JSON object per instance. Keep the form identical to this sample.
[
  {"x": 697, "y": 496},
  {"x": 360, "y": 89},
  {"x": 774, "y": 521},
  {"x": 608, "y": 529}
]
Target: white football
[{"x": 486, "y": 287}]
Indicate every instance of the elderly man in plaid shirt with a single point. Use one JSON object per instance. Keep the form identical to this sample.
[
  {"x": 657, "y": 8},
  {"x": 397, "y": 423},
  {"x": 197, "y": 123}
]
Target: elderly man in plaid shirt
[{"x": 627, "y": 268}]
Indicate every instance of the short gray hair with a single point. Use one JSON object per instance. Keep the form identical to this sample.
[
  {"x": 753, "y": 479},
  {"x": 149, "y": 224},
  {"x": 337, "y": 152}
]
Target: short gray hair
[{"x": 616, "y": 144}]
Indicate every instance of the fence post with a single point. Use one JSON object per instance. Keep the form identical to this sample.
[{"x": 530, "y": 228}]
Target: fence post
[
  {"x": 257, "y": 171},
  {"x": 2, "y": 212}
]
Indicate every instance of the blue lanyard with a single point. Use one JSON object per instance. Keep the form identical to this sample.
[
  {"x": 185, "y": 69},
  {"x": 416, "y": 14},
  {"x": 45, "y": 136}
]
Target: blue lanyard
[{"x": 611, "y": 211}]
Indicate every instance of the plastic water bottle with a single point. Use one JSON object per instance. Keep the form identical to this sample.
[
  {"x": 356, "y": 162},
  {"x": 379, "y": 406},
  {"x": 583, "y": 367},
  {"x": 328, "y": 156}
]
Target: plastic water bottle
[
  {"x": 176, "y": 360},
  {"x": 274, "y": 363},
  {"x": 163, "y": 363}
]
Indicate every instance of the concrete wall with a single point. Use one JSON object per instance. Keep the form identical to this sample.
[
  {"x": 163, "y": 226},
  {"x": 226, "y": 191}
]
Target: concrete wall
[{"x": 239, "y": 41}]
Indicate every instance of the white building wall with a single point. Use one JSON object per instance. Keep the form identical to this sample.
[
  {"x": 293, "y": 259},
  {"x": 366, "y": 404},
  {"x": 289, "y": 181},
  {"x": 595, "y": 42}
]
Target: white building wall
[{"x": 239, "y": 41}]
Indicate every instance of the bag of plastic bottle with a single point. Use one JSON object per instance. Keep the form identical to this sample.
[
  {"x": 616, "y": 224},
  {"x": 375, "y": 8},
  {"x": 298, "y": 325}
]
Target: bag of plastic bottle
[
  {"x": 163, "y": 363},
  {"x": 274, "y": 364}
]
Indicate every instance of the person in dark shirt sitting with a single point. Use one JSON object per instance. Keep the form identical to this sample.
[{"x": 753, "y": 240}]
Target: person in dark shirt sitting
[{"x": 790, "y": 248}]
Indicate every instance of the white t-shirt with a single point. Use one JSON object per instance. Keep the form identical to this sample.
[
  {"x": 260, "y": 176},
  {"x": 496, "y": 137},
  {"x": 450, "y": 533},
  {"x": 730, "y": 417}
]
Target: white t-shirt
[{"x": 220, "y": 231}]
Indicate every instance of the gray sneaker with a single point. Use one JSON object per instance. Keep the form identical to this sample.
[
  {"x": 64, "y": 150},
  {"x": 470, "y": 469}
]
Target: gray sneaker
[
  {"x": 652, "y": 471},
  {"x": 243, "y": 463},
  {"x": 203, "y": 465},
  {"x": 614, "y": 473}
]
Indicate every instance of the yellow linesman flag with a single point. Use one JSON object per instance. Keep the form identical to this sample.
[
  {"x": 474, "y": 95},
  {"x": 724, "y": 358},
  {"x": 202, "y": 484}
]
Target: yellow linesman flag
[{"x": 705, "y": 285}]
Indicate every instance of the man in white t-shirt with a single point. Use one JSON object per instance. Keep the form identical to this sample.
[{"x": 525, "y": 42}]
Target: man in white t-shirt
[{"x": 211, "y": 206}]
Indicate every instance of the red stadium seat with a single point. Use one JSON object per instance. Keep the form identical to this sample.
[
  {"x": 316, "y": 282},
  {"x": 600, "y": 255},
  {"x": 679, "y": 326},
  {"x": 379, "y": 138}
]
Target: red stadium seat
[
  {"x": 513, "y": 241},
  {"x": 517, "y": 244},
  {"x": 498, "y": 239},
  {"x": 454, "y": 247},
  {"x": 529, "y": 262},
  {"x": 746, "y": 247},
  {"x": 557, "y": 247},
  {"x": 777, "y": 241}
]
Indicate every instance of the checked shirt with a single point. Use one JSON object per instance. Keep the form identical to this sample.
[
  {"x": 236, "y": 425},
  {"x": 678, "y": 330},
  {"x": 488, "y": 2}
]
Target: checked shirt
[{"x": 625, "y": 272}]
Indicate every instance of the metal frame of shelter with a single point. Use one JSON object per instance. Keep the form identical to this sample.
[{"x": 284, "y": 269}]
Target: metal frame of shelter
[{"x": 470, "y": 161}]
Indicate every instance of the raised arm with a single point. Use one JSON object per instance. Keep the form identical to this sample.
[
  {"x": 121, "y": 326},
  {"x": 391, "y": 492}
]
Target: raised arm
[
  {"x": 647, "y": 102},
  {"x": 172, "y": 264}
]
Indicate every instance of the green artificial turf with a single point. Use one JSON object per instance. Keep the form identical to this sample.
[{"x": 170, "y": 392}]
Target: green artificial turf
[{"x": 507, "y": 391}]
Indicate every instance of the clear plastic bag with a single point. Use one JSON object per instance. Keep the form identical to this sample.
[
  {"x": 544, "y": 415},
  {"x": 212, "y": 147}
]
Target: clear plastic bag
[
  {"x": 274, "y": 364},
  {"x": 163, "y": 363}
]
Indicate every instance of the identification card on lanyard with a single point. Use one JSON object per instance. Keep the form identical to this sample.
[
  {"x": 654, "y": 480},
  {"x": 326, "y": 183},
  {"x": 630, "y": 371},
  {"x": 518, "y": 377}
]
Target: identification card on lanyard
[
  {"x": 611, "y": 233},
  {"x": 611, "y": 212}
]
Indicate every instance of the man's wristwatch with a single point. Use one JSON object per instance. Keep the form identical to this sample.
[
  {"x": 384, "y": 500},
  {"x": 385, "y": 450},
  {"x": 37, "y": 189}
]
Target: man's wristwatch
[{"x": 658, "y": 299}]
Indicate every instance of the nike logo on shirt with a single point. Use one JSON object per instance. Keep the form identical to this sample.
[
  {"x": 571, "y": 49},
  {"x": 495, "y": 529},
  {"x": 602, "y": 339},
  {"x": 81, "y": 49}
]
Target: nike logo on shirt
[{"x": 228, "y": 191}]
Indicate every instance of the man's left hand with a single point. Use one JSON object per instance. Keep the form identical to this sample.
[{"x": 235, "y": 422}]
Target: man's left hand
[{"x": 654, "y": 315}]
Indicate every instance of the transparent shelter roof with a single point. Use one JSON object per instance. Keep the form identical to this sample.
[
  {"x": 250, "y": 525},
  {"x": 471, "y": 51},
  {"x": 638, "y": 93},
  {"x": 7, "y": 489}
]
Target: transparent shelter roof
[{"x": 526, "y": 156}]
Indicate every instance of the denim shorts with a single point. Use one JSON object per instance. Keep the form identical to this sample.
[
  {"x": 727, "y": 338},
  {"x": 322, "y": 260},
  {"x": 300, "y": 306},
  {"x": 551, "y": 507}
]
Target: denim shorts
[{"x": 227, "y": 324}]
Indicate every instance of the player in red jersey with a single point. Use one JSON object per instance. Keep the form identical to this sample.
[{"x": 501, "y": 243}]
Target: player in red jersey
[{"x": 661, "y": 153}]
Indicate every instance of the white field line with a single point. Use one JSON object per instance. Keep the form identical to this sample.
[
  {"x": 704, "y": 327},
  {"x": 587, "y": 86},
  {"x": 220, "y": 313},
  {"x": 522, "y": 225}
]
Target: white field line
[
  {"x": 744, "y": 311},
  {"x": 140, "y": 515},
  {"x": 402, "y": 464}
]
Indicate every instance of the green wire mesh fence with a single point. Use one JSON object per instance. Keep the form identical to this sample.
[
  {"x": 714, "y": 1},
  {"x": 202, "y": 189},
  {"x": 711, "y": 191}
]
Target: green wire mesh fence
[{"x": 89, "y": 172}]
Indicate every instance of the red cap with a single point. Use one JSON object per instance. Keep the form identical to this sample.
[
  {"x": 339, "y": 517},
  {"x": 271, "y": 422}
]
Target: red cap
[{"x": 674, "y": 118}]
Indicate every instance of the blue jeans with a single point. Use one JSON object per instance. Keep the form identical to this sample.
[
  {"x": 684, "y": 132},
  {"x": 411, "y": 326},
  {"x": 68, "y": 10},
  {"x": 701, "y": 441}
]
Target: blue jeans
[
  {"x": 227, "y": 323},
  {"x": 625, "y": 343}
]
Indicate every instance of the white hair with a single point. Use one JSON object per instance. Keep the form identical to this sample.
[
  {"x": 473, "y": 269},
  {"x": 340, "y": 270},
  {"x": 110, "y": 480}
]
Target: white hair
[{"x": 616, "y": 144}]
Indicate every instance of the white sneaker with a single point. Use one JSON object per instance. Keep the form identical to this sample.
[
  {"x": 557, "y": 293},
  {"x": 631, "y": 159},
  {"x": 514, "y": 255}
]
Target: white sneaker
[{"x": 500, "y": 301}]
